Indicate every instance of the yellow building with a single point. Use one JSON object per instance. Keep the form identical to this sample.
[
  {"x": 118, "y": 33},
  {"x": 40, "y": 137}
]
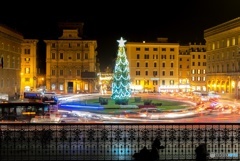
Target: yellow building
[
  {"x": 223, "y": 57},
  {"x": 29, "y": 65},
  {"x": 153, "y": 66},
  {"x": 184, "y": 69},
  {"x": 166, "y": 67},
  {"x": 71, "y": 64},
  {"x": 198, "y": 66},
  {"x": 10, "y": 60}
]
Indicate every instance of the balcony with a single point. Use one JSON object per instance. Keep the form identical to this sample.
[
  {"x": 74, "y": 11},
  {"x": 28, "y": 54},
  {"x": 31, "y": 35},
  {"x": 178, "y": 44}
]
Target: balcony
[{"x": 97, "y": 141}]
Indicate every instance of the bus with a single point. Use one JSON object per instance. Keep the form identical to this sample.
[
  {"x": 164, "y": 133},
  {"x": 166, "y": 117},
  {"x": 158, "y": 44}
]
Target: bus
[
  {"x": 22, "y": 111},
  {"x": 48, "y": 97},
  {"x": 33, "y": 96}
]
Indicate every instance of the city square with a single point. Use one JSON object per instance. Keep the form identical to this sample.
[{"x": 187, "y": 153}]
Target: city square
[{"x": 153, "y": 81}]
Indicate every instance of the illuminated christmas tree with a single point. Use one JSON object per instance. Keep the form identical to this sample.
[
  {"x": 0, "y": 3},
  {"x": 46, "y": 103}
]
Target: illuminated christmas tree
[{"x": 121, "y": 91}]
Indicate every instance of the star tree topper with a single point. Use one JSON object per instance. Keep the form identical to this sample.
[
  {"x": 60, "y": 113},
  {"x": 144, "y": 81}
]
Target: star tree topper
[{"x": 121, "y": 42}]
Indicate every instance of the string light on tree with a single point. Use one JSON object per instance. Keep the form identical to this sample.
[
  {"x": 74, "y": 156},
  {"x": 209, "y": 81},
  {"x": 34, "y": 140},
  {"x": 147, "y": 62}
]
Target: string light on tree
[{"x": 121, "y": 90}]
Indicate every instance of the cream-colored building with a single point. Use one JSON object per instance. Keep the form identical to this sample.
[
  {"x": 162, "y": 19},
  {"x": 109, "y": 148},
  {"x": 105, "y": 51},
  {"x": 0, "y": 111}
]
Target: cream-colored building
[
  {"x": 29, "y": 65},
  {"x": 223, "y": 57},
  {"x": 153, "y": 66},
  {"x": 10, "y": 55},
  {"x": 198, "y": 67},
  {"x": 71, "y": 63},
  {"x": 166, "y": 67}
]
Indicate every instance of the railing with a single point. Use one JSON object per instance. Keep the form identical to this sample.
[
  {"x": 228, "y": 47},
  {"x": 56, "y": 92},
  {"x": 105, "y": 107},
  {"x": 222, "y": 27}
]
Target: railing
[{"x": 119, "y": 141}]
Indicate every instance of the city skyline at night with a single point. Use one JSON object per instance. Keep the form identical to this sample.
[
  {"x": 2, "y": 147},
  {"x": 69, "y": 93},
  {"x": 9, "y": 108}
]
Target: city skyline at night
[{"x": 180, "y": 22}]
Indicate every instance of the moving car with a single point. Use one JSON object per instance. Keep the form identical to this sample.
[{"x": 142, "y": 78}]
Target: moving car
[
  {"x": 151, "y": 113},
  {"x": 128, "y": 114}
]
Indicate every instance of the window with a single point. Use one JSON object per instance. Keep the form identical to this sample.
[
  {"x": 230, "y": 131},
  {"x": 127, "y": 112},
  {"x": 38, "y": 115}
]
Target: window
[
  {"x": 163, "y": 49},
  {"x": 137, "y": 72},
  {"x": 163, "y": 57},
  {"x": 171, "y": 73},
  {"x": 61, "y": 55},
  {"x": 193, "y": 71},
  {"x": 163, "y": 82},
  {"x": 53, "y": 56},
  {"x": 137, "y": 49},
  {"x": 146, "y": 64},
  {"x": 171, "y": 49},
  {"x": 138, "y": 64},
  {"x": 180, "y": 66},
  {"x": 163, "y": 73},
  {"x": 180, "y": 59},
  {"x": 61, "y": 87},
  {"x": 78, "y": 56},
  {"x": 53, "y": 72},
  {"x": 53, "y": 45},
  {"x": 26, "y": 51},
  {"x": 146, "y": 56},
  {"x": 171, "y": 82},
  {"x": 137, "y": 82},
  {"x": 171, "y": 65},
  {"x": 146, "y": 72},
  {"x": 27, "y": 70},
  {"x": 154, "y": 73},
  {"x": 146, "y": 49},
  {"x": 86, "y": 55},
  {"x": 199, "y": 57},
  {"x": 155, "y": 82},
  {"x": 27, "y": 60},
  {"x": 199, "y": 71},
  {"x": 193, "y": 56},
  {"x": 138, "y": 56},
  {"x": 163, "y": 64},
  {"x": 155, "y": 64},
  {"x": 155, "y": 49},
  {"x": 228, "y": 42},
  {"x": 78, "y": 72},
  {"x": 61, "y": 72},
  {"x": 13, "y": 62},
  {"x": 193, "y": 63}
]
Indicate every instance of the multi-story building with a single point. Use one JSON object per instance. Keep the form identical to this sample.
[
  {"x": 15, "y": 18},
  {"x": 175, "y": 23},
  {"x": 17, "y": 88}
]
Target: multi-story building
[
  {"x": 198, "y": 66},
  {"x": 167, "y": 67},
  {"x": 10, "y": 55},
  {"x": 71, "y": 63},
  {"x": 153, "y": 66},
  {"x": 29, "y": 65},
  {"x": 223, "y": 57},
  {"x": 184, "y": 69}
]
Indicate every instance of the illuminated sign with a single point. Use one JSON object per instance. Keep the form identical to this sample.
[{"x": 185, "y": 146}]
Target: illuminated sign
[{"x": 28, "y": 113}]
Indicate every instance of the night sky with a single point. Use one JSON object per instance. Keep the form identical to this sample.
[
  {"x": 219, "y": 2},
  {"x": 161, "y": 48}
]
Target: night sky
[{"x": 136, "y": 21}]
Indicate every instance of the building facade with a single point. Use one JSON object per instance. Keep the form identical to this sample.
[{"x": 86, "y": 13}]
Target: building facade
[
  {"x": 29, "y": 73},
  {"x": 166, "y": 67},
  {"x": 10, "y": 55},
  {"x": 71, "y": 63},
  {"x": 223, "y": 57},
  {"x": 198, "y": 67},
  {"x": 153, "y": 66}
]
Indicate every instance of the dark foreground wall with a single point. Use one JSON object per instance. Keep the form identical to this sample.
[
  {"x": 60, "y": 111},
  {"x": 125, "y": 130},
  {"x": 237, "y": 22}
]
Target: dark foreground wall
[{"x": 117, "y": 141}]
